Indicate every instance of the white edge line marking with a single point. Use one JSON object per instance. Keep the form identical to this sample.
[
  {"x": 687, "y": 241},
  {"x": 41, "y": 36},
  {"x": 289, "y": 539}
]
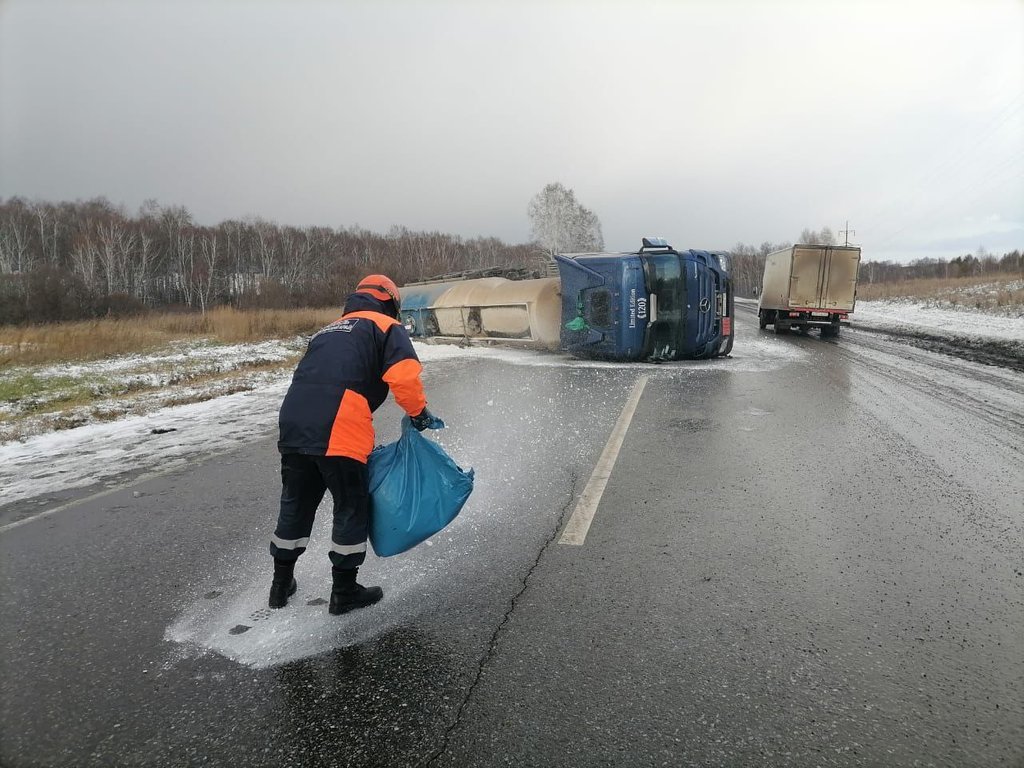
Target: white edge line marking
[
  {"x": 98, "y": 495},
  {"x": 169, "y": 468},
  {"x": 575, "y": 531}
]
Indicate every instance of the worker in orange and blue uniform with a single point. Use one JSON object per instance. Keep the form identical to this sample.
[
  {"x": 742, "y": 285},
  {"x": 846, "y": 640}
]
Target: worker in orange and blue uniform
[{"x": 326, "y": 428}]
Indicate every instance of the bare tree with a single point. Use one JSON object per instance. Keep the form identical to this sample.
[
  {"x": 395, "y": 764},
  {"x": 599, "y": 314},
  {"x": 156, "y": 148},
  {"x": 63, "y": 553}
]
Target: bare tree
[
  {"x": 266, "y": 247},
  {"x": 15, "y": 236},
  {"x": 85, "y": 259},
  {"x": 204, "y": 271},
  {"x": 184, "y": 261},
  {"x": 116, "y": 244},
  {"x": 295, "y": 253},
  {"x": 49, "y": 232},
  {"x": 824, "y": 236},
  {"x": 560, "y": 224},
  {"x": 139, "y": 267}
]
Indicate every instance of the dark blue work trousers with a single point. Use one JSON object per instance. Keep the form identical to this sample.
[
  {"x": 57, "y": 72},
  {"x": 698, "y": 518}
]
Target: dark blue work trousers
[{"x": 304, "y": 479}]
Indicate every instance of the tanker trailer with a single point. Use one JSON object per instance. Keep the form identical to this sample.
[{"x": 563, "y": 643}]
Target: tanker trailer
[{"x": 654, "y": 304}]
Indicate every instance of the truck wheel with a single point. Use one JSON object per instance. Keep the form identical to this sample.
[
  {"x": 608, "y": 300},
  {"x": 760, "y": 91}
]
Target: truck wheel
[
  {"x": 762, "y": 319},
  {"x": 781, "y": 327},
  {"x": 829, "y": 331}
]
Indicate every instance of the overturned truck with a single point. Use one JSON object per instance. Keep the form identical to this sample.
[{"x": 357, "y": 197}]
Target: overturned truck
[{"x": 654, "y": 304}]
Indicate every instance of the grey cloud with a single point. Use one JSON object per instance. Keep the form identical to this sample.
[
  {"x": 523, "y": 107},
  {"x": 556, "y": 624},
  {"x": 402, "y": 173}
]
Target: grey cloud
[{"x": 706, "y": 123}]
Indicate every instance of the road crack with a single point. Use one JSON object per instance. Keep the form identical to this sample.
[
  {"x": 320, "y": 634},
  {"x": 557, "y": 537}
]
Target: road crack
[{"x": 492, "y": 645}]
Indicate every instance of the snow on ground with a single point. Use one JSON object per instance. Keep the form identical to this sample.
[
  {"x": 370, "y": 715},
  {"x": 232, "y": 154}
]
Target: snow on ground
[
  {"x": 163, "y": 365},
  {"x": 94, "y": 453},
  {"x": 922, "y": 317},
  {"x": 98, "y": 452},
  {"x": 135, "y": 384}
]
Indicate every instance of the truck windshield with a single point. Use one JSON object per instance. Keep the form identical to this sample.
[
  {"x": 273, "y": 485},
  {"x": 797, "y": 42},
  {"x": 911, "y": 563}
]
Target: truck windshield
[{"x": 667, "y": 282}]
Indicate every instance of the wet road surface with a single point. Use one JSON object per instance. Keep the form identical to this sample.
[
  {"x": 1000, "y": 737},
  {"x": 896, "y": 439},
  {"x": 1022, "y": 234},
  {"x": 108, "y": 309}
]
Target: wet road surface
[{"x": 810, "y": 554}]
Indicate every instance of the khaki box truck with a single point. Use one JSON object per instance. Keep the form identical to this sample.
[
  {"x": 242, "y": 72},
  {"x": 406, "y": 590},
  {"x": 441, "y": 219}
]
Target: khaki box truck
[{"x": 809, "y": 286}]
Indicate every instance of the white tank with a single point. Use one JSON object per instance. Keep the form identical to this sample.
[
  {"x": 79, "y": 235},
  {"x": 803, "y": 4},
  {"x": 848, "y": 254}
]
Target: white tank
[{"x": 496, "y": 308}]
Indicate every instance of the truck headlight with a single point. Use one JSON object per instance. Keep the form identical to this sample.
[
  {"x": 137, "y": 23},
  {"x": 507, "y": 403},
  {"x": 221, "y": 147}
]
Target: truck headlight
[{"x": 723, "y": 261}]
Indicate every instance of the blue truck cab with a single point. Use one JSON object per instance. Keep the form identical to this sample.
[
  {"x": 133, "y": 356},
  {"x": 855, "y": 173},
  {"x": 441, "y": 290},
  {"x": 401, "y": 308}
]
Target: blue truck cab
[{"x": 655, "y": 304}]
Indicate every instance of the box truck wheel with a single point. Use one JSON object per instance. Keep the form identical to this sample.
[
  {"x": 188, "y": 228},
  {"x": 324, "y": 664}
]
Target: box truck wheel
[
  {"x": 762, "y": 318},
  {"x": 829, "y": 331}
]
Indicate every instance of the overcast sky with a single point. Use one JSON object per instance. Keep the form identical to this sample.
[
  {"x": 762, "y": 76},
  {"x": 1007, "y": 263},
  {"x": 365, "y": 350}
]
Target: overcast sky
[{"x": 706, "y": 123}]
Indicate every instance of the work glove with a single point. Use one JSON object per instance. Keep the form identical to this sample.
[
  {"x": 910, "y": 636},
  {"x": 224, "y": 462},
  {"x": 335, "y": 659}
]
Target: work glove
[{"x": 426, "y": 420}]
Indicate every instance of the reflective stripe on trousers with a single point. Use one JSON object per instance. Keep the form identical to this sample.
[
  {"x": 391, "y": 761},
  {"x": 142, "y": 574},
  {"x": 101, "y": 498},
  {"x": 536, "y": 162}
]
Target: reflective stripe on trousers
[
  {"x": 289, "y": 543},
  {"x": 348, "y": 549}
]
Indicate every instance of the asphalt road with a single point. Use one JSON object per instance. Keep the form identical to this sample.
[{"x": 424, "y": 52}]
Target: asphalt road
[{"x": 809, "y": 554}]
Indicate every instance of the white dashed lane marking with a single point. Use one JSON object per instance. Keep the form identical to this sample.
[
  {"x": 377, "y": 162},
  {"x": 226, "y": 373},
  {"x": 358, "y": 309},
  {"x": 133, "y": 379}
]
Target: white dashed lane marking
[{"x": 576, "y": 529}]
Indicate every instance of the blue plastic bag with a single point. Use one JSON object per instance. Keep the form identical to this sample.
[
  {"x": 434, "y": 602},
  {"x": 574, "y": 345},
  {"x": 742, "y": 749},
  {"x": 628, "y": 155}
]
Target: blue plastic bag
[{"x": 415, "y": 491}]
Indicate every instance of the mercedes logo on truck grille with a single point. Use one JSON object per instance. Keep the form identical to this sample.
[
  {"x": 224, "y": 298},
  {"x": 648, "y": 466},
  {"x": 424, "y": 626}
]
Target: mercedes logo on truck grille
[{"x": 705, "y": 304}]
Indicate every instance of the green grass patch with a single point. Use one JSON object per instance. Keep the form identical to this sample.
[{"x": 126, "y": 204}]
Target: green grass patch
[
  {"x": 29, "y": 393},
  {"x": 22, "y": 386},
  {"x": 28, "y": 396}
]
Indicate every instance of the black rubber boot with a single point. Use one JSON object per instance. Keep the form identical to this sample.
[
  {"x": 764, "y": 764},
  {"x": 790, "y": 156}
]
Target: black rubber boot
[
  {"x": 284, "y": 585},
  {"x": 347, "y": 595}
]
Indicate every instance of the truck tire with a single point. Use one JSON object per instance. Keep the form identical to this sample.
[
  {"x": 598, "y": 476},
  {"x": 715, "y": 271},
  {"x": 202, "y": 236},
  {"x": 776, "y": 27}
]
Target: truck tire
[
  {"x": 762, "y": 319},
  {"x": 781, "y": 327},
  {"x": 829, "y": 331}
]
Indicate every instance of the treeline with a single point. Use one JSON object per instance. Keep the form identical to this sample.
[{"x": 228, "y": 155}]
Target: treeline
[
  {"x": 69, "y": 261},
  {"x": 969, "y": 265},
  {"x": 748, "y": 264}
]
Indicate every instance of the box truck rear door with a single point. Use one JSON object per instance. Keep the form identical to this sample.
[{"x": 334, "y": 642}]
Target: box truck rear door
[
  {"x": 805, "y": 279},
  {"x": 842, "y": 278}
]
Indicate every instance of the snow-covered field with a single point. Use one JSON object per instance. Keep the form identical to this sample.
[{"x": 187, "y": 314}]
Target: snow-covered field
[
  {"x": 135, "y": 384},
  {"x": 961, "y": 322},
  {"x": 927, "y": 318}
]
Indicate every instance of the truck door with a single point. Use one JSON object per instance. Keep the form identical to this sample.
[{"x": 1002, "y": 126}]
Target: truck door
[
  {"x": 808, "y": 277},
  {"x": 841, "y": 280}
]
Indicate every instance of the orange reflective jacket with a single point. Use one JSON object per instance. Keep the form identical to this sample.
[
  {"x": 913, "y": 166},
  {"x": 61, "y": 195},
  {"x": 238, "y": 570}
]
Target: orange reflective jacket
[{"x": 345, "y": 375}]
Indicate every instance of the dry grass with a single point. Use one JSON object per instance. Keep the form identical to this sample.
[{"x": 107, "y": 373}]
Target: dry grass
[
  {"x": 981, "y": 292},
  {"x": 84, "y": 402},
  {"x": 99, "y": 339}
]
